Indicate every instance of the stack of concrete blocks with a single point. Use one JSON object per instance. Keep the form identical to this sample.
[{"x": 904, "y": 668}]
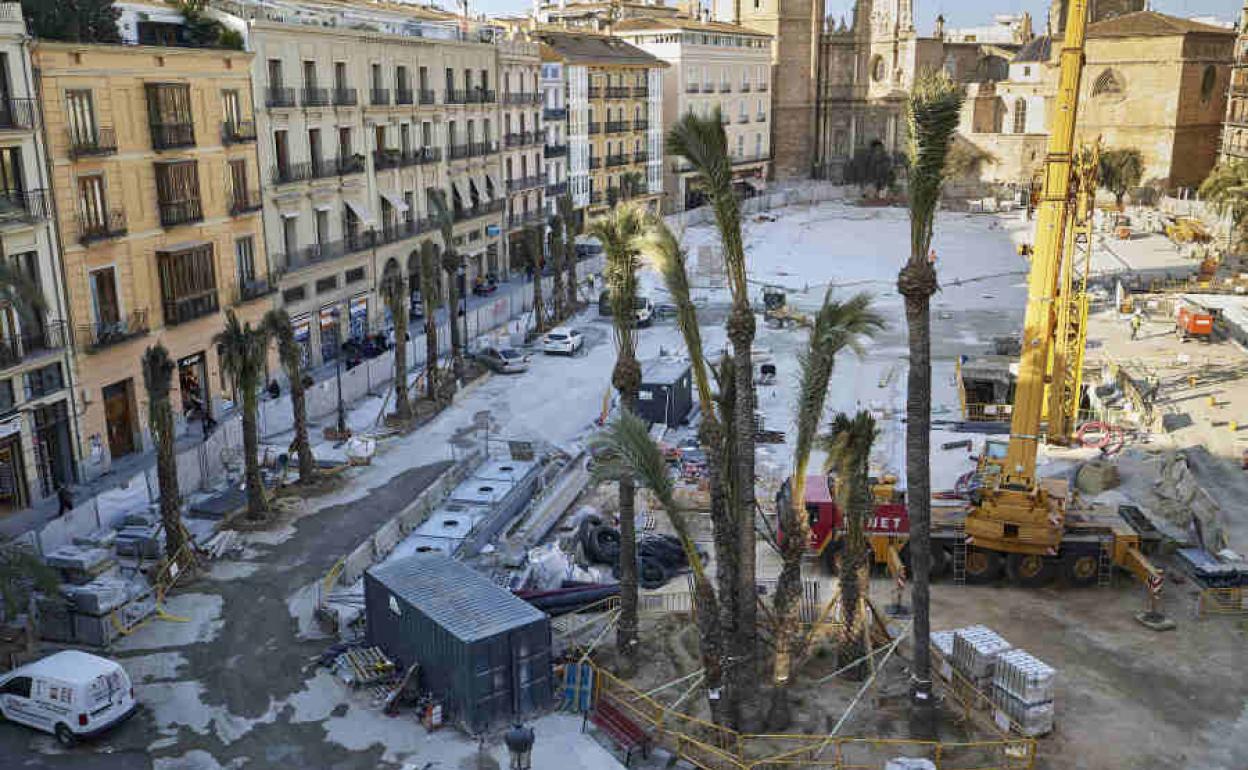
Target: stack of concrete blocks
[
  {"x": 942, "y": 642},
  {"x": 910, "y": 763},
  {"x": 140, "y": 537},
  {"x": 975, "y": 653},
  {"x": 79, "y": 565},
  {"x": 1022, "y": 688}
]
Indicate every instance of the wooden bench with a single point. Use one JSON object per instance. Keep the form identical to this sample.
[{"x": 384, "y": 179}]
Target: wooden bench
[{"x": 614, "y": 722}]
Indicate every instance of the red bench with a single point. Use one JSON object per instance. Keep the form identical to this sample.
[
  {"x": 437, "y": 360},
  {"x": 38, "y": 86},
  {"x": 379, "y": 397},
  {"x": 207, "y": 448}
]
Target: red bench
[{"x": 615, "y": 723}]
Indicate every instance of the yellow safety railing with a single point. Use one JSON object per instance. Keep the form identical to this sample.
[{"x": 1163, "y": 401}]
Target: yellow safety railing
[
  {"x": 713, "y": 747},
  {"x": 986, "y": 412},
  {"x": 1222, "y": 601}
]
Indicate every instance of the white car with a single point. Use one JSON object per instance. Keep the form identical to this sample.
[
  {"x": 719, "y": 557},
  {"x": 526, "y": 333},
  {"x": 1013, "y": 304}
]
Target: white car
[
  {"x": 72, "y": 694},
  {"x": 503, "y": 360},
  {"x": 563, "y": 339}
]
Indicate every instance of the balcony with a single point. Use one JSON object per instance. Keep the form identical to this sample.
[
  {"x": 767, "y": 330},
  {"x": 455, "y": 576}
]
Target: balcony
[
  {"x": 110, "y": 224},
  {"x": 170, "y": 136},
  {"x": 618, "y": 92},
  {"x": 480, "y": 210},
  {"x": 555, "y": 113},
  {"x": 619, "y": 160},
  {"x": 404, "y": 96},
  {"x": 245, "y": 202},
  {"x": 757, "y": 157},
  {"x": 92, "y": 142},
  {"x": 285, "y": 173},
  {"x": 27, "y": 206},
  {"x": 237, "y": 132},
  {"x": 707, "y": 88},
  {"x": 559, "y": 188},
  {"x": 95, "y": 337},
  {"x": 595, "y": 163},
  {"x": 180, "y": 310},
  {"x": 454, "y": 96},
  {"x": 762, "y": 87},
  {"x": 596, "y": 198},
  {"x": 278, "y": 96},
  {"x": 251, "y": 289},
  {"x": 691, "y": 88},
  {"x": 760, "y": 117},
  {"x": 352, "y": 164},
  {"x": 595, "y": 92},
  {"x": 595, "y": 128},
  {"x": 725, "y": 88},
  {"x": 315, "y": 97},
  {"x": 346, "y": 97},
  {"x": 555, "y": 150},
  {"x": 522, "y": 139},
  {"x": 641, "y": 92},
  {"x": 742, "y": 118},
  {"x": 641, "y": 125},
  {"x": 482, "y": 96},
  {"x": 522, "y": 97},
  {"x": 402, "y": 230},
  {"x": 15, "y": 348},
  {"x": 174, "y": 213},
  {"x": 641, "y": 158},
  {"x": 617, "y": 126},
  {"x": 745, "y": 88},
  {"x": 524, "y": 183},
  {"x": 426, "y": 96},
  {"x": 471, "y": 150},
  {"x": 526, "y": 219},
  {"x": 379, "y": 97},
  {"x": 318, "y": 253},
  {"x": 17, "y": 114}
]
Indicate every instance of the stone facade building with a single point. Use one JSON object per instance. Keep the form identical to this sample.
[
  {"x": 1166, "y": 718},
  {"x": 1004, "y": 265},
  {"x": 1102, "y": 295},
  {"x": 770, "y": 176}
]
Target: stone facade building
[
  {"x": 713, "y": 65},
  {"x": 1235, "y": 128}
]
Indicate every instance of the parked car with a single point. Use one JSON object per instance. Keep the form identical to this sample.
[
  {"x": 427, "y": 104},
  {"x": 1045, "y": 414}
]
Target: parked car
[
  {"x": 484, "y": 285},
  {"x": 642, "y": 307},
  {"x": 563, "y": 339},
  {"x": 503, "y": 360},
  {"x": 73, "y": 695}
]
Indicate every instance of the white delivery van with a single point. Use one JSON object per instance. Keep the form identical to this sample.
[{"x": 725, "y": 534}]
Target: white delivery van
[{"x": 71, "y": 694}]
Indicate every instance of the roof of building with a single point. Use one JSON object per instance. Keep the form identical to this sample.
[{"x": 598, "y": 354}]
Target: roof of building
[
  {"x": 461, "y": 600},
  {"x": 1039, "y": 48},
  {"x": 1152, "y": 24},
  {"x": 592, "y": 48},
  {"x": 683, "y": 22}
]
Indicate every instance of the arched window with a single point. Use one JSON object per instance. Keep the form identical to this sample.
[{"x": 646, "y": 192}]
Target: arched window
[
  {"x": 1108, "y": 83},
  {"x": 1207, "y": 81},
  {"x": 1020, "y": 116}
]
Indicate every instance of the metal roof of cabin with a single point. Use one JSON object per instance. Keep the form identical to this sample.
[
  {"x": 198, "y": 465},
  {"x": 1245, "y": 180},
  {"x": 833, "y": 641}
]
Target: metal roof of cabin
[{"x": 456, "y": 597}]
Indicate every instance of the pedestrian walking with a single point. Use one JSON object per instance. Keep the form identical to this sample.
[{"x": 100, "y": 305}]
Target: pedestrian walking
[
  {"x": 66, "y": 499},
  {"x": 1136, "y": 321}
]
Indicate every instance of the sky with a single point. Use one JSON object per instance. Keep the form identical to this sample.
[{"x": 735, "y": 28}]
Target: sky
[{"x": 958, "y": 13}]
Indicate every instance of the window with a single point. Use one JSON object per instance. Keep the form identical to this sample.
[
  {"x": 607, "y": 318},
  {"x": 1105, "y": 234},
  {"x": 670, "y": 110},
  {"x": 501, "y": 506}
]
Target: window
[
  {"x": 80, "y": 112},
  {"x": 18, "y": 685},
  {"x": 188, "y": 283},
  {"x": 405, "y": 138},
  {"x": 1020, "y": 116},
  {"x": 422, "y": 75},
  {"x": 309, "y": 74},
  {"x": 92, "y": 206},
  {"x": 758, "y": 145},
  {"x": 6, "y": 396},
  {"x": 44, "y": 381},
  {"x": 231, "y": 107},
  {"x": 104, "y": 298},
  {"x": 177, "y": 192},
  {"x": 740, "y": 145},
  {"x": 245, "y": 258},
  {"x": 290, "y": 236},
  {"x": 376, "y": 69},
  {"x": 1207, "y": 82},
  {"x": 240, "y": 195},
  {"x": 400, "y": 78},
  {"x": 354, "y": 275},
  {"x": 169, "y": 115},
  {"x": 322, "y": 227},
  {"x": 281, "y": 147},
  {"x": 340, "y": 75},
  {"x": 344, "y": 142},
  {"x": 1027, "y": 71},
  {"x": 1108, "y": 83}
]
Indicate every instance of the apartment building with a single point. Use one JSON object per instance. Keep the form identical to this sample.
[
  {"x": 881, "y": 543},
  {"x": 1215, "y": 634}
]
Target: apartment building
[
  {"x": 555, "y": 128},
  {"x": 523, "y": 136},
  {"x": 361, "y": 111},
  {"x": 615, "y": 119},
  {"x": 156, "y": 185},
  {"x": 1235, "y": 127},
  {"x": 38, "y": 441},
  {"x": 713, "y": 65}
]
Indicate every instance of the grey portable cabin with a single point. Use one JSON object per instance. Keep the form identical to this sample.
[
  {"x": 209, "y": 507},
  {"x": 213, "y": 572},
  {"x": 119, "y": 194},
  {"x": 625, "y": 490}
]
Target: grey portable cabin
[
  {"x": 666, "y": 393},
  {"x": 482, "y": 651}
]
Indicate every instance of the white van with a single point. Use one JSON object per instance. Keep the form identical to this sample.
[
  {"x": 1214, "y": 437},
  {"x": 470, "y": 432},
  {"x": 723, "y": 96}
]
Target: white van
[{"x": 71, "y": 694}]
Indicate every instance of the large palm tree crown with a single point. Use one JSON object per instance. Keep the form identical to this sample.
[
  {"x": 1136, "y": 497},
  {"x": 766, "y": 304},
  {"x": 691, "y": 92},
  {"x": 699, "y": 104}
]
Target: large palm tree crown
[
  {"x": 242, "y": 349},
  {"x": 1227, "y": 185},
  {"x": 932, "y": 118},
  {"x": 157, "y": 372},
  {"x": 619, "y": 231}
]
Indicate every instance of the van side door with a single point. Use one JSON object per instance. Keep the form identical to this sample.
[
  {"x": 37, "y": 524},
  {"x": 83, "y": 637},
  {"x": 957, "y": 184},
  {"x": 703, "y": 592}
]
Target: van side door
[{"x": 16, "y": 702}]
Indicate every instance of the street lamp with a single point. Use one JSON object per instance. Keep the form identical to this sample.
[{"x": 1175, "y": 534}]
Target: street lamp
[
  {"x": 342, "y": 412},
  {"x": 519, "y": 740}
]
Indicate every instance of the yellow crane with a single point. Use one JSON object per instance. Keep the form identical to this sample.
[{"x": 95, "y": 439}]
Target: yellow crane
[{"x": 1017, "y": 517}]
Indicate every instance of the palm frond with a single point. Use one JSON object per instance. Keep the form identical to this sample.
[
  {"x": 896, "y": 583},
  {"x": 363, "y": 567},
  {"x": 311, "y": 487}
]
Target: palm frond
[
  {"x": 618, "y": 231},
  {"x": 242, "y": 351},
  {"x": 157, "y": 372},
  {"x": 932, "y": 118}
]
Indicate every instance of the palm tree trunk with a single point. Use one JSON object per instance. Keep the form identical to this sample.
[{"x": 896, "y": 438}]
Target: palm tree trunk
[
  {"x": 299, "y": 410},
  {"x": 167, "y": 477},
  {"x": 917, "y": 284},
  {"x": 402, "y": 404},
  {"x": 741, "y": 334},
  {"x": 431, "y": 353},
  {"x": 539, "y": 308},
  {"x": 457, "y": 345},
  {"x": 556, "y": 287},
  {"x": 853, "y": 566},
  {"x": 626, "y": 631},
  {"x": 256, "y": 503},
  {"x": 569, "y": 258}
]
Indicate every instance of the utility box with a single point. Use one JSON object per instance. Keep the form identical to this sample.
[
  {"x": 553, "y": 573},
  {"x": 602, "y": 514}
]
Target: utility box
[
  {"x": 484, "y": 653},
  {"x": 666, "y": 393}
]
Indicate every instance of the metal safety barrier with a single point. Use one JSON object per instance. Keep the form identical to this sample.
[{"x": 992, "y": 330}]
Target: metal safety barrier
[{"x": 1222, "y": 601}]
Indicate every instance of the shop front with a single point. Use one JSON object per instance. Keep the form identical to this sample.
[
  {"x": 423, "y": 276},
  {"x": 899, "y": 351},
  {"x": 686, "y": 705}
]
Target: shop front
[
  {"x": 193, "y": 384},
  {"x": 302, "y": 328},
  {"x": 330, "y": 342},
  {"x": 14, "y": 494}
]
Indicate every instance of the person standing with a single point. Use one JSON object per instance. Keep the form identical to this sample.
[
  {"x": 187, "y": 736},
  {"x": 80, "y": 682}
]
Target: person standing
[{"x": 65, "y": 498}]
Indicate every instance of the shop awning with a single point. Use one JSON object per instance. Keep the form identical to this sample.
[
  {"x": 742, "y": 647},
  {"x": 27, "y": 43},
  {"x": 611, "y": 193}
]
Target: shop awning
[
  {"x": 362, "y": 212},
  {"x": 395, "y": 200}
]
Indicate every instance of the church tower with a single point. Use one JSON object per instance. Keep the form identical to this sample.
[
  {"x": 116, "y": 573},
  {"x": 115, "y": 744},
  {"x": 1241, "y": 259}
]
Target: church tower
[
  {"x": 795, "y": 26},
  {"x": 1098, "y": 10}
]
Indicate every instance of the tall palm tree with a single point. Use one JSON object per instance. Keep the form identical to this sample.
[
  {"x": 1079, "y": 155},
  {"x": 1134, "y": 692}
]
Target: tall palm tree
[
  {"x": 703, "y": 144},
  {"x": 445, "y": 221},
  {"x": 535, "y": 259},
  {"x": 431, "y": 295},
  {"x": 242, "y": 359},
  {"x": 558, "y": 296},
  {"x": 1227, "y": 186},
  {"x": 394, "y": 293},
  {"x": 21, "y": 293},
  {"x": 277, "y": 325},
  {"x": 618, "y": 231},
  {"x": 848, "y": 446},
  {"x": 158, "y": 381},
  {"x": 932, "y": 117},
  {"x": 662, "y": 250},
  {"x": 837, "y": 326},
  {"x": 570, "y": 221}
]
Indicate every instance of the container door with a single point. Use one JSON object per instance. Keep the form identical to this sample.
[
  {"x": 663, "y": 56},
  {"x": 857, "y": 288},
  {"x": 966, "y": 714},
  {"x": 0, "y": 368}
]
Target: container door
[
  {"x": 530, "y": 669},
  {"x": 492, "y": 694}
]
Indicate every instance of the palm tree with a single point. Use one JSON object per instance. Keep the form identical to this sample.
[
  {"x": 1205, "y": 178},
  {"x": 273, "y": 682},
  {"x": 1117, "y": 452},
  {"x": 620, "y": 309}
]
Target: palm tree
[
  {"x": 394, "y": 293},
  {"x": 1227, "y": 186},
  {"x": 618, "y": 231},
  {"x": 702, "y": 143},
  {"x": 837, "y": 326},
  {"x": 556, "y": 259},
  {"x": 158, "y": 379},
  {"x": 663, "y": 252},
  {"x": 242, "y": 360},
  {"x": 450, "y": 265},
  {"x": 932, "y": 117},
  {"x": 277, "y": 325},
  {"x": 431, "y": 296},
  {"x": 631, "y": 184},
  {"x": 848, "y": 446},
  {"x": 19, "y": 292},
  {"x": 534, "y": 258},
  {"x": 569, "y": 219}
]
